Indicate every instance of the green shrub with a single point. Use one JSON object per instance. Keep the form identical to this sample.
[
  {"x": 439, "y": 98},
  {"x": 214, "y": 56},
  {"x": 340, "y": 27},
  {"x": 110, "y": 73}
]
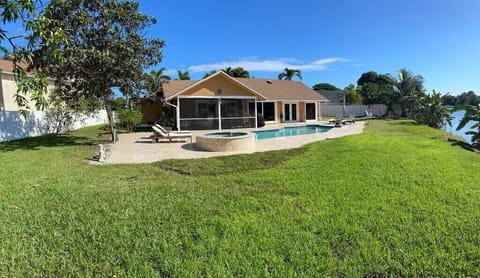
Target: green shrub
[
  {"x": 165, "y": 117},
  {"x": 130, "y": 117}
]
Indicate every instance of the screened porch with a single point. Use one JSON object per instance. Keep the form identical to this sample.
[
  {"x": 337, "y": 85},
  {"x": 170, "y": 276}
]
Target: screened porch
[{"x": 197, "y": 113}]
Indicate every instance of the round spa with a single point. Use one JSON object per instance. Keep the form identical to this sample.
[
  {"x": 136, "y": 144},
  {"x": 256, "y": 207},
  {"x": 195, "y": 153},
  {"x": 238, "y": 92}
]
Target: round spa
[{"x": 226, "y": 141}]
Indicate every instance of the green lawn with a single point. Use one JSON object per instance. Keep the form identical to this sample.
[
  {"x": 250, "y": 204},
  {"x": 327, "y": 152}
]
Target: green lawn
[{"x": 396, "y": 200}]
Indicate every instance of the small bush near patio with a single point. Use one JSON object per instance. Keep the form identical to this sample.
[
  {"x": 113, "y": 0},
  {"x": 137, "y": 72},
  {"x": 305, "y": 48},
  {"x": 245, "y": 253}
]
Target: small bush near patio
[{"x": 397, "y": 200}]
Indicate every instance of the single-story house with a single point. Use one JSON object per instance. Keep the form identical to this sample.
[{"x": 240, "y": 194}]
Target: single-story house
[{"x": 223, "y": 102}]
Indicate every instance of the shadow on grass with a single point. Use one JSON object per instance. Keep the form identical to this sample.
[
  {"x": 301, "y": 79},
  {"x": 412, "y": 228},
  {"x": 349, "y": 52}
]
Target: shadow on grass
[
  {"x": 230, "y": 164},
  {"x": 463, "y": 144},
  {"x": 46, "y": 141}
]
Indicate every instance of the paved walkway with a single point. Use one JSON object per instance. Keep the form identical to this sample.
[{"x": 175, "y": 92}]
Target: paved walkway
[{"x": 138, "y": 147}]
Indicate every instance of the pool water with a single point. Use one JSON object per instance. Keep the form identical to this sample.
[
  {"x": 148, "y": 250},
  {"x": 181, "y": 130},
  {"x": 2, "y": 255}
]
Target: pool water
[
  {"x": 290, "y": 131},
  {"x": 226, "y": 134}
]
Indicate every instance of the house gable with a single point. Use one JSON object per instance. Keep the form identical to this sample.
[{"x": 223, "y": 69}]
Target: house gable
[{"x": 218, "y": 85}]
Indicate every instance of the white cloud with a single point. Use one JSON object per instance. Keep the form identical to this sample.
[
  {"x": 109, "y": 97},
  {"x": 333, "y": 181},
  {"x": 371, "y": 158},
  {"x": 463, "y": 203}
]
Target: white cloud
[{"x": 274, "y": 65}]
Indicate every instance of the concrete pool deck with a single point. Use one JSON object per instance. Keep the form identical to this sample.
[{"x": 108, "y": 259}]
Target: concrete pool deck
[{"x": 138, "y": 147}]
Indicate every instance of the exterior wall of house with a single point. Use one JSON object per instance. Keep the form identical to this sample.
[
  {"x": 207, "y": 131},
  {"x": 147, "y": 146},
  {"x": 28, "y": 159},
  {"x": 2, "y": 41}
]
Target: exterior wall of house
[
  {"x": 279, "y": 111},
  {"x": 8, "y": 89},
  {"x": 219, "y": 86},
  {"x": 2, "y": 102}
]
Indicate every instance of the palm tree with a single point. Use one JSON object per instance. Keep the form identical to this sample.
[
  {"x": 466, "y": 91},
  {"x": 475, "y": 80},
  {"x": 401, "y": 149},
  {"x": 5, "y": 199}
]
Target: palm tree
[
  {"x": 183, "y": 75},
  {"x": 472, "y": 113},
  {"x": 288, "y": 74},
  {"x": 432, "y": 112},
  {"x": 408, "y": 90},
  {"x": 207, "y": 74},
  {"x": 154, "y": 81}
]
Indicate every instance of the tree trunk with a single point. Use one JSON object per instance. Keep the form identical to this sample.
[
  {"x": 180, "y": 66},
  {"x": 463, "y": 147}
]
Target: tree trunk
[{"x": 111, "y": 120}]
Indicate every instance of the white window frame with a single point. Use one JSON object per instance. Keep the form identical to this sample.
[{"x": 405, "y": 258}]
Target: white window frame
[
  {"x": 274, "y": 110},
  {"x": 297, "y": 109}
]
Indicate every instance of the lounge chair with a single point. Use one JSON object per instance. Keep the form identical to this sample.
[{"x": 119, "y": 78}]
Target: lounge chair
[
  {"x": 159, "y": 132},
  {"x": 337, "y": 121},
  {"x": 176, "y": 132},
  {"x": 350, "y": 120}
]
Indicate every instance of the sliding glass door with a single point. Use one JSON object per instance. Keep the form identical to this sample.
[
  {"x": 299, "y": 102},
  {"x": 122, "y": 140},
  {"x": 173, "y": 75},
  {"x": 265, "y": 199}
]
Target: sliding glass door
[
  {"x": 267, "y": 109},
  {"x": 290, "y": 111}
]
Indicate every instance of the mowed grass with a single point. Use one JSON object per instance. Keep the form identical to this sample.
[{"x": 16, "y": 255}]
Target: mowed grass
[{"x": 397, "y": 200}]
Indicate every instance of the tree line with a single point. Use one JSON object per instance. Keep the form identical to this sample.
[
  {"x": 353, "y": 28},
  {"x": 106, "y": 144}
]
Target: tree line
[{"x": 465, "y": 98}]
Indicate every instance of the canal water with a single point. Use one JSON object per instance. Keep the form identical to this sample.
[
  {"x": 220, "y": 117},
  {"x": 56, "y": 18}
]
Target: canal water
[{"x": 457, "y": 117}]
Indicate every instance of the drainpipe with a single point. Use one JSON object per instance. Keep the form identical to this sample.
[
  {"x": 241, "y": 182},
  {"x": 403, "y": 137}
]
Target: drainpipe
[{"x": 177, "y": 111}]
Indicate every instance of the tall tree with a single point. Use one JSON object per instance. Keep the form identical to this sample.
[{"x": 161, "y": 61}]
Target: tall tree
[
  {"x": 288, "y": 74},
  {"x": 106, "y": 48},
  {"x": 240, "y": 72},
  {"x": 377, "y": 88},
  {"x": 351, "y": 95},
  {"x": 183, "y": 75},
  {"x": 325, "y": 86},
  {"x": 154, "y": 80},
  {"x": 236, "y": 72},
  {"x": 408, "y": 90}
]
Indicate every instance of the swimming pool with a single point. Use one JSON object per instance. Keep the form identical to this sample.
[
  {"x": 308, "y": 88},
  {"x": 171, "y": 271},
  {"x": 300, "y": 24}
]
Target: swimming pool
[{"x": 290, "y": 131}]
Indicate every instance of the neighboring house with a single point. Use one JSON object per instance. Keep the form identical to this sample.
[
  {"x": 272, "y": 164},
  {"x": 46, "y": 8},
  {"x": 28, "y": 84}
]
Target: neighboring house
[
  {"x": 223, "y": 102},
  {"x": 8, "y": 86},
  {"x": 334, "y": 96}
]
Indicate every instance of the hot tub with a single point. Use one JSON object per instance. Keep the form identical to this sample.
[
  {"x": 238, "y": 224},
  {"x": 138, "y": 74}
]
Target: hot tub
[{"x": 226, "y": 141}]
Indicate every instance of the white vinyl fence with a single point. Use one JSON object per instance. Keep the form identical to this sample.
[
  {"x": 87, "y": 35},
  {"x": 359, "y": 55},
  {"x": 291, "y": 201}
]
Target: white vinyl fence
[
  {"x": 13, "y": 126},
  {"x": 357, "y": 110}
]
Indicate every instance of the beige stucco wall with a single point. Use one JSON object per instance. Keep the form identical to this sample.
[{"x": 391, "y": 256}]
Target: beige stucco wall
[
  {"x": 9, "y": 89},
  {"x": 218, "y": 86},
  {"x": 279, "y": 111}
]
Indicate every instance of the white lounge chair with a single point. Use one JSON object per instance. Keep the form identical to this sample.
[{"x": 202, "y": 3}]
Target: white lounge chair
[
  {"x": 166, "y": 131},
  {"x": 337, "y": 121},
  {"x": 160, "y": 132},
  {"x": 350, "y": 120}
]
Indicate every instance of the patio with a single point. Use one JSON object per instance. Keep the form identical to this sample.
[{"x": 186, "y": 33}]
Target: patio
[{"x": 138, "y": 147}]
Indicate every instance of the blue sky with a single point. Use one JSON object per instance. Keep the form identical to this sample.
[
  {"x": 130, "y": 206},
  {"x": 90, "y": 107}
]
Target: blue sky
[
  {"x": 332, "y": 41},
  {"x": 329, "y": 41}
]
